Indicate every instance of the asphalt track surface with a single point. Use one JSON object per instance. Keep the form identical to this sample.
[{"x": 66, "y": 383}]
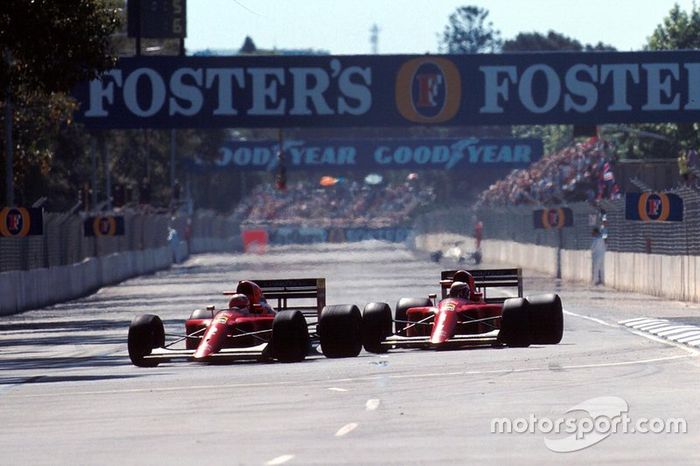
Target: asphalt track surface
[{"x": 69, "y": 395}]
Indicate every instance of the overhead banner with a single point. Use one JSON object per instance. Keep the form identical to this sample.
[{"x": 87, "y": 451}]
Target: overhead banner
[
  {"x": 377, "y": 154},
  {"x": 654, "y": 207},
  {"x": 553, "y": 218},
  {"x": 18, "y": 222},
  {"x": 110, "y": 225},
  {"x": 394, "y": 90}
]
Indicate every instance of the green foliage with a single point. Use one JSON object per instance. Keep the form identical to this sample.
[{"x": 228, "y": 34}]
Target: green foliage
[
  {"x": 553, "y": 41},
  {"x": 679, "y": 30},
  {"x": 50, "y": 45},
  {"x": 469, "y": 31},
  {"x": 554, "y": 137}
]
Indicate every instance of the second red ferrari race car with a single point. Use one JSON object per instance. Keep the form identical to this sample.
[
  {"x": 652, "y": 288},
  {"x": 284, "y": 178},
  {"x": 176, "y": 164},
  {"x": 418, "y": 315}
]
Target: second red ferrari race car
[
  {"x": 250, "y": 328},
  {"x": 466, "y": 316}
]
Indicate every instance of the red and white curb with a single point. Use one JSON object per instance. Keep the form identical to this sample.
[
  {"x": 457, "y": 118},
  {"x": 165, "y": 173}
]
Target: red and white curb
[{"x": 672, "y": 331}]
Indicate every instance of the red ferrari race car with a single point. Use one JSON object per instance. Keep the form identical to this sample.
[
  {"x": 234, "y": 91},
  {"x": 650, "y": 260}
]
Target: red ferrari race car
[
  {"x": 250, "y": 328},
  {"x": 466, "y": 316}
]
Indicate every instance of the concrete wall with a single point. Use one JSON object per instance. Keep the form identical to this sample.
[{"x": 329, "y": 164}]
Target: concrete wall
[
  {"x": 21, "y": 290},
  {"x": 674, "y": 277}
]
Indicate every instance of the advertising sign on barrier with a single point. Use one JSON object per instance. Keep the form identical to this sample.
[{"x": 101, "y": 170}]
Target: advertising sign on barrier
[
  {"x": 654, "y": 207},
  {"x": 107, "y": 225},
  {"x": 377, "y": 154},
  {"x": 19, "y": 222},
  {"x": 553, "y": 218},
  {"x": 252, "y": 239},
  {"x": 291, "y": 235},
  {"x": 393, "y": 90}
]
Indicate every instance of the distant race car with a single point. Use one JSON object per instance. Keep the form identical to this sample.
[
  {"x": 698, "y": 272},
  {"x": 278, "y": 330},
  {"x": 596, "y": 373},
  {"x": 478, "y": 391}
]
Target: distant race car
[
  {"x": 457, "y": 254},
  {"x": 466, "y": 316},
  {"x": 250, "y": 328}
]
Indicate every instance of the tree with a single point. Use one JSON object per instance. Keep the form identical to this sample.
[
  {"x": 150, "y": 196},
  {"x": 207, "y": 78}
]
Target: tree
[
  {"x": 679, "y": 30},
  {"x": 47, "y": 47},
  {"x": 534, "y": 41},
  {"x": 53, "y": 44},
  {"x": 553, "y": 41},
  {"x": 469, "y": 31}
]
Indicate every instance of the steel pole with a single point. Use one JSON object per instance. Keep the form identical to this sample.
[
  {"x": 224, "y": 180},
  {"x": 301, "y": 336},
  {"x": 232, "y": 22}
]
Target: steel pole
[
  {"x": 9, "y": 173},
  {"x": 93, "y": 151},
  {"x": 173, "y": 150}
]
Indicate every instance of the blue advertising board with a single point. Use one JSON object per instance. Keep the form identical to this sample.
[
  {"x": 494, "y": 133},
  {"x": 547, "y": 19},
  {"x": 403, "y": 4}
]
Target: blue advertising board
[
  {"x": 377, "y": 154},
  {"x": 394, "y": 90},
  {"x": 654, "y": 207}
]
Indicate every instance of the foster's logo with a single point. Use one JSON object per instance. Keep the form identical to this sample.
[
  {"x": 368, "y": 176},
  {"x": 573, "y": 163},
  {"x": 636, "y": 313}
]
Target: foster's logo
[
  {"x": 428, "y": 90},
  {"x": 14, "y": 221},
  {"x": 654, "y": 206}
]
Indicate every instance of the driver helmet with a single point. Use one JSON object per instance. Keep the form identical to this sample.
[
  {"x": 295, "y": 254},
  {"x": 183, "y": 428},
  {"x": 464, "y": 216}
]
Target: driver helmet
[
  {"x": 239, "y": 301},
  {"x": 459, "y": 290}
]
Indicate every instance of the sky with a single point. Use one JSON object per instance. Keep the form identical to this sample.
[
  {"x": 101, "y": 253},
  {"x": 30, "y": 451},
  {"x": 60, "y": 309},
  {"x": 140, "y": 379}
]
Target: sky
[{"x": 411, "y": 26}]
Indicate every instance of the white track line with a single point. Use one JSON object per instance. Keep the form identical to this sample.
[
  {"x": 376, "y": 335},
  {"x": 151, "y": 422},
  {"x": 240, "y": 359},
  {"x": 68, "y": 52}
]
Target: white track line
[
  {"x": 336, "y": 389},
  {"x": 372, "y": 404},
  {"x": 346, "y": 429},
  {"x": 592, "y": 319},
  {"x": 279, "y": 460}
]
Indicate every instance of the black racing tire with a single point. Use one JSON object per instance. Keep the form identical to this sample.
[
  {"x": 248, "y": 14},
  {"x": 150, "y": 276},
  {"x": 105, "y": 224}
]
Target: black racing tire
[
  {"x": 202, "y": 314},
  {"x": 146, "y": 332},
  {"x": 515, "y": 323},
  {"x": 340, "y": 331},
  {"x": 290, "y": 336},
  {"x": 376, "y": 326},
  {"x": 546, "y": 319},
  {"x": 402, "y": 306}
]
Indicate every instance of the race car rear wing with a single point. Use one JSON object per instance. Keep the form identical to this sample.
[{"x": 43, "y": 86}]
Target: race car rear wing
[
  {"x": 295, "y": 289},
  {"x": 488, "y": 278}
]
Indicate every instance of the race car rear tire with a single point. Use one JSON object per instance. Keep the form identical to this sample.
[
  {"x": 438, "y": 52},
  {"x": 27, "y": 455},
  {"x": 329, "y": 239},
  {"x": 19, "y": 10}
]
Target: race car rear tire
[
  {"x": 290, "y": 336},
  {"x": 402, "y": 306},
  {"x": 146, "y": 332},
  {"x": 376, "y": 326},
  {"x": 546, "y": 319},
  {"x": 340, "y": 331},
  {"x": 515, "y": 323}
]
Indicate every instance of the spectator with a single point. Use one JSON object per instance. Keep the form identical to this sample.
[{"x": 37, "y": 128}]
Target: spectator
[
  {"x": 579, "y": 172},
  {"x": 344, "y": 204}
]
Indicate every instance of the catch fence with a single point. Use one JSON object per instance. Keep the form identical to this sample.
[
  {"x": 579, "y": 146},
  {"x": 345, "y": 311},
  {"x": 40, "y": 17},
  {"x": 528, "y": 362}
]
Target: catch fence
[{"x": 515, "y": 223}]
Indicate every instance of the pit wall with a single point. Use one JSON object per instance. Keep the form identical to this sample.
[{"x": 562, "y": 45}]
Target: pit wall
[{"x": 671, "y": 277}]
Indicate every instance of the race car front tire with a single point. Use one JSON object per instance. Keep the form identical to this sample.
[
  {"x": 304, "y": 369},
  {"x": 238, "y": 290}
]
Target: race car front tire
[
  {"x": 546, "y": 319},
  {"x": 376, "y": 326},
  {"x": 340, "y": 331},
  {"x": 146, "y": 332},
  {"x": 401, "y": 313},
  {"x": 515, "y": 323},
  {"x": 290, "y": 336}
]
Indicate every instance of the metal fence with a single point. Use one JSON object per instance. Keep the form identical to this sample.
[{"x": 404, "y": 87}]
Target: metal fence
[
  {"x": 516, "y": 224},
  {"x": 63, "y": 241}
]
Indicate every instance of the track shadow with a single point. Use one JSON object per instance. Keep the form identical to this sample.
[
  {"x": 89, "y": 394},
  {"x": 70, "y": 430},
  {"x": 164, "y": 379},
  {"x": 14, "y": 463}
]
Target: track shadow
[
  {"x": 41, "y": 379},
  {"x": 64, "y": 363}
]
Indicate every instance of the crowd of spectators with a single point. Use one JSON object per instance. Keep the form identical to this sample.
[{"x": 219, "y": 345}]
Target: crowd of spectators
[
  {"x": 343, "y": 204},
  {"x": 580, "y": 172}
]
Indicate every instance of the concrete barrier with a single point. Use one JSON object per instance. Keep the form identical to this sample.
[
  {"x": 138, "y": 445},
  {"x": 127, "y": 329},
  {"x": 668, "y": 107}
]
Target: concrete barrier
[
  {"x": 673, "y": 277},
  {"x": 22, "y": 290}
]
